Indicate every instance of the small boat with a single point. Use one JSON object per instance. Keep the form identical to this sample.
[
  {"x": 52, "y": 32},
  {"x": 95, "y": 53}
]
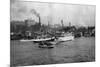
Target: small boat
[{"x": 46, "y": 44}]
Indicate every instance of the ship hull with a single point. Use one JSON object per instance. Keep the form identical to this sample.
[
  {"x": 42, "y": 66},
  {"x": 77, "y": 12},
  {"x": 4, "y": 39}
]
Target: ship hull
[{"x": 66, "y": 38}]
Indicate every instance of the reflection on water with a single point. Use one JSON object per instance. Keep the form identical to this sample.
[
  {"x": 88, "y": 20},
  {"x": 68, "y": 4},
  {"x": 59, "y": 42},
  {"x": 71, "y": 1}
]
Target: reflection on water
[{"x": 28, "y": 53}]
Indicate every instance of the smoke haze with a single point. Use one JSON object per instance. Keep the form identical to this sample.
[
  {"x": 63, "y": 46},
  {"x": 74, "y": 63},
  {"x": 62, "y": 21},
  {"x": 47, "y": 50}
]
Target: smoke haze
[{"x": 83, "y": 15}]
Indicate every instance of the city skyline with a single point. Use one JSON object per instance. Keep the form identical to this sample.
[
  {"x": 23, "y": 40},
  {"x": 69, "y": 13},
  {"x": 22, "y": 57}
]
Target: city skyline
[{"x": 83, "y": 15}]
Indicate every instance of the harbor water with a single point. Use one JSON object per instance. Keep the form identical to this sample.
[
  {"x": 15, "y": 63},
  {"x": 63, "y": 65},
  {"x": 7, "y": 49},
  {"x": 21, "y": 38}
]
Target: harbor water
[{"x": 28, "y": 53}]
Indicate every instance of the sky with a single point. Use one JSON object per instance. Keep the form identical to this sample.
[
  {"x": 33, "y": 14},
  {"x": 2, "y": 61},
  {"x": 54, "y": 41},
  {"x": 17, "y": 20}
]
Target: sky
[{"x": 82, "y": 15}]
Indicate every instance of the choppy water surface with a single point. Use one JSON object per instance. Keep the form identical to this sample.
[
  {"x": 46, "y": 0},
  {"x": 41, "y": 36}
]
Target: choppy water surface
[{"x": 28, "y": 53}]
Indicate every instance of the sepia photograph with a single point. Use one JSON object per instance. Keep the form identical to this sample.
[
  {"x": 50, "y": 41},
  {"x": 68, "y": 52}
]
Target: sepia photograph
[{"x": 43, "y": 33}]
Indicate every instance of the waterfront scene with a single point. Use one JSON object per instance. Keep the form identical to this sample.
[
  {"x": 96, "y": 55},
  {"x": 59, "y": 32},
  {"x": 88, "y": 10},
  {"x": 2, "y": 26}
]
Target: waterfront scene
[{"x": 51, "y": 33}]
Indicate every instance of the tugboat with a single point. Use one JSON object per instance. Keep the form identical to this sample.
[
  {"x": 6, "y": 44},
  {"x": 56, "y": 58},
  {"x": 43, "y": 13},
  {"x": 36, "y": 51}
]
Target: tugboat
[{"x": 46, "y": 45}]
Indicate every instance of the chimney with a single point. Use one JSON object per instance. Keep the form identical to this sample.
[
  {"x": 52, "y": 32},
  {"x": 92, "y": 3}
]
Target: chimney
[
  {"x": 62, "y": 23},
  {"x": 39, "y": 21},
  {"x": 69, "y": 24}
]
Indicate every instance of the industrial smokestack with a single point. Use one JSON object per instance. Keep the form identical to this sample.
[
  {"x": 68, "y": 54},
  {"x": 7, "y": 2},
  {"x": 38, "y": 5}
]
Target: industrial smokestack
[
  {"x": 62, "y": 23},
  {"x": 39, "y": 21},
  {"x": 69, "y": 24}
]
